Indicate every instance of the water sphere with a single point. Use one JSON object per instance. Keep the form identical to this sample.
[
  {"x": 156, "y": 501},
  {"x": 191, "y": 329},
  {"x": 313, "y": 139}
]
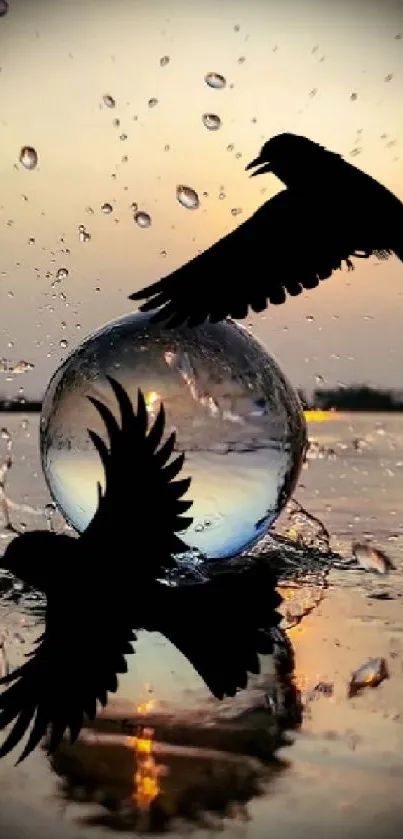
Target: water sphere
[{"x": 237, "y": 419}]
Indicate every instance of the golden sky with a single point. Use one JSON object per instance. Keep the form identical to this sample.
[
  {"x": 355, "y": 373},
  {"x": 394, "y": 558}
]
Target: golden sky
[{"x": 290, "y": 66}]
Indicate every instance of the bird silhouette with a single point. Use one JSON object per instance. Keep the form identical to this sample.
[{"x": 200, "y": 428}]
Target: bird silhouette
[
  {"x": 329, "y": 213},
  {"x": 103, "y": 586}
]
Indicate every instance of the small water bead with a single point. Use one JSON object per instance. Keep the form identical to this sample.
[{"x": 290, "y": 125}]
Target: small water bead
[
  {"x": 236, "y": 211},
  {"x": 187, "y": 197},
  {"x": 31, "y": 240},
  {"x": 83, "y": 234},
  {"x": 116, "y": 123},
  {"x": 211, "y": 121},
  {"x": 237, "y": 419},
  {"x": 230, "y": 147},
  {"x": 122, "y": 137},
  {"x": 28, "y": 157},
  {"x": 152, "y": 102},
  {"x": 142, "y": 219},
  {"x": 109, "y": 101},
  {"x": 61, "y": 274},
  {"x": 215, "y": 80},
  {"x": 107, "y": 208},
  {"x": 63, "y": 343},
  {"x": 164, "y": 60}
]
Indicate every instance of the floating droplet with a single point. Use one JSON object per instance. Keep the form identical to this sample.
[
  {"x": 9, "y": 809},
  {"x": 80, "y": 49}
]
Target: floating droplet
[
  {"x": 3, "y": 8},
  {"x": 107, "y": 208},
  {"x": 164, "y": 60},
  {"x": 152, "y": 102},
  {"x": 211, "y": 121},
  {"x": 109, "y": 101},
  {"x": 215, "y": 80},
  {"x": 142, "y": 219},
  {"x": 187, "y": 196},
  {"x": 28, "y": 157}
]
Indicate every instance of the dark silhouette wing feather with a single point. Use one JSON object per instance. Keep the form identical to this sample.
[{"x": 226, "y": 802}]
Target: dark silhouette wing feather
[
  {"x": 291, "y": 243},
  {"x": 73, "y": 666},
  {"x": 222, "y": 626},
  {"x": 142, "y": 499}
]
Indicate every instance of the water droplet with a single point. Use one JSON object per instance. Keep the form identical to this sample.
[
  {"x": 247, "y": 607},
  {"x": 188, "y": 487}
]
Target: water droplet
[
  {"x": 164, "y": 60},
  {"x": 83, "y": 234},
  {"x": 236, "y": 211},
  {"x": 28, "y": 157},
  {"x": 61, "y": 275},
  {"x": 122, "y": 137},
  {"x": 109, "y": 101},
  {"x": 238, "y": 155},
  {"x": 241, "y": 59},
  {"x": 142, "y": 219},
  {"x": 389, "y": 77},
  {"x": 167, "y": 147},
  {"x": 215, "y": 80},
  {"x": 237, "y": 27},
  {"x": 107, "y": 208},
  {"x": 63, "y": 343},
  {"x": 356, "y": 151},
  {"x": 89, "y": 210},
  {"x": 310, "y": 318},
  {"x": 116, "y": 123},
  {"x": 211, "y": 121},
  {"x": 220, "y": 402},
  {"x": 354, "y": 97},
  {"x": 152, "y": 102},
  {"x": 313, "y": 92},
  {"x": 31, "y": 240},
  {"x": 187, "y": 196},
  {"x": 221, "y": 195},
  {"x": 230, "y": 147}
]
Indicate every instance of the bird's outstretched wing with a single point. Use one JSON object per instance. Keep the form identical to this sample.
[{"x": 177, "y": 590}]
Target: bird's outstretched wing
[
  {"x": 142, "y": 499},
  {"x": 74, "y": 664},
  {"x": 288, "y": 244},
  {"x": 222, "y": 626}
]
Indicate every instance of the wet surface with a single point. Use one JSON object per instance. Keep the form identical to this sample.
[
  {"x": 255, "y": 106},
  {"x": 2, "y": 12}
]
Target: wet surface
[{"x": 165, "y": 757}]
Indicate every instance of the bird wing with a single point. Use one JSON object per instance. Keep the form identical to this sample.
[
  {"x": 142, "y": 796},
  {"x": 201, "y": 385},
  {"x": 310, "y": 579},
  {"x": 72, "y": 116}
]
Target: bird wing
[
  {"x": 276, "y": 251},
  {"x": 223, "y": 625},
  {"x": 74, "y": 664},
  {"x": 141, "y": 496},
  {"x": 288, "y": 244}
]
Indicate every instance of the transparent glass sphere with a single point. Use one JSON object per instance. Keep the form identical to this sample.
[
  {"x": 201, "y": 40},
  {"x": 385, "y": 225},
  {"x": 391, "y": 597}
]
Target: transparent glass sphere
[{"x": 236, "y": 417}]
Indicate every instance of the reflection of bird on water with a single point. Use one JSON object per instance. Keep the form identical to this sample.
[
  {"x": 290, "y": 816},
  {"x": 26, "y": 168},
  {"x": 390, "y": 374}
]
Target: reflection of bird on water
[
  {"x": 329, "y": 212},
  {"x": 99, "y": 590}
]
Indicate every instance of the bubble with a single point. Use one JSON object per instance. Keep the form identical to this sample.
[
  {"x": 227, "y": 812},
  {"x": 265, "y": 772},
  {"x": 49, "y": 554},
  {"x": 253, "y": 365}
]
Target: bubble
[
  {"x": 164, "y": 60},
  {"x": 187, "y": 196},
  {"x": 211, "y": 121},
  {"x": 3, "y": 8},
  {"x": 107, "y": 208},
  {"x": 215, "y": 80},
  {"x": 237, "y": 419},
  {"x": 109, "y": 101},
  {"x": 28, "y": 157},
  {"x": 142, "y": 219}
]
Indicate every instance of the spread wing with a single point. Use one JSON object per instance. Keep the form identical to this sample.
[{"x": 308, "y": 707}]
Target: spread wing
[
  {"x": 223, "y": 626},
  {"x": 292, "y": 242},
  {"x": 74, "y": 664},
  {"x": 141, "y": 498}
]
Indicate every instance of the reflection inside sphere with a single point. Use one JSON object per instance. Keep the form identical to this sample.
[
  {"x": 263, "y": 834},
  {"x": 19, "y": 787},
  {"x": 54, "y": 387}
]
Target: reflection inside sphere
[{"x": 236, "y": 417}]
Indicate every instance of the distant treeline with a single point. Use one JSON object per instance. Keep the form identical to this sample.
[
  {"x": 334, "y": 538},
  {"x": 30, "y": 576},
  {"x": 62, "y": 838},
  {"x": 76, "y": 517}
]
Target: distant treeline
[
  {"x": 354, "y": 398},
  {"x": 10, "y": 406}
]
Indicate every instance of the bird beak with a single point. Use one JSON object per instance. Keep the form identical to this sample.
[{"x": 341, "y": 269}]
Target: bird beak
[{"x": 264, "y": 167}]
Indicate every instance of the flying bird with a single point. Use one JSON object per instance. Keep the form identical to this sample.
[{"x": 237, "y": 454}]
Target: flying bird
[
  {"x": 103, "y": 586},
  {"x": 329, "y": 213}
]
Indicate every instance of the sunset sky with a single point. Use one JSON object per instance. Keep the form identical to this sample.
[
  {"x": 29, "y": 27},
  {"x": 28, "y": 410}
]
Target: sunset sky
[{"x": 330, "y": 71}]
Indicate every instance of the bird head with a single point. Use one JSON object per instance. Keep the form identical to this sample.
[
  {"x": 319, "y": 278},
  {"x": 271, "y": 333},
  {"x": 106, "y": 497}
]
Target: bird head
[
  {"x": 287, "y": 156},
  {"x": 31, "y": 557}
]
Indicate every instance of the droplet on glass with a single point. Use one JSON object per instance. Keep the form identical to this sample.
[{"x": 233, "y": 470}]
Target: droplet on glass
[
  {"x": 28, "y": 157},
  {"x": 215, "y": 80},
  {"x": 107, "y": 208},
  {"x": 221, "y": 195},
  {"x": 3, "y": 8},
  {"x": 310, "y": 318},
  {"x": 236, "y": 211},
  {"x": 354, "y": 97},
  {"x": 230, "y": 147},
  {"x": 63, "y": 343},
  {"x": 122, "y": 137},
  {"x": 142, "y": 219},
  {"x": 187, "y": 196},
  {"x": 389, "y": 77},
  {"x": 31, "y": 240},
  {"x": 152, "y": 102},
  {"x": 211, "y": 121},
  {"x": 313, "y": 92},
  {"x": 61, "y": 274},
  {"x": 109, "y": 101},
  {"x": 238, "y": 403},
  {"x": 241, "y": 59},
  {"x": 167, "y": 147},
  {"x": 237, "y": 27},
  {"x": 164, "y": 60},
  {"x": 116, "y": 123}
]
